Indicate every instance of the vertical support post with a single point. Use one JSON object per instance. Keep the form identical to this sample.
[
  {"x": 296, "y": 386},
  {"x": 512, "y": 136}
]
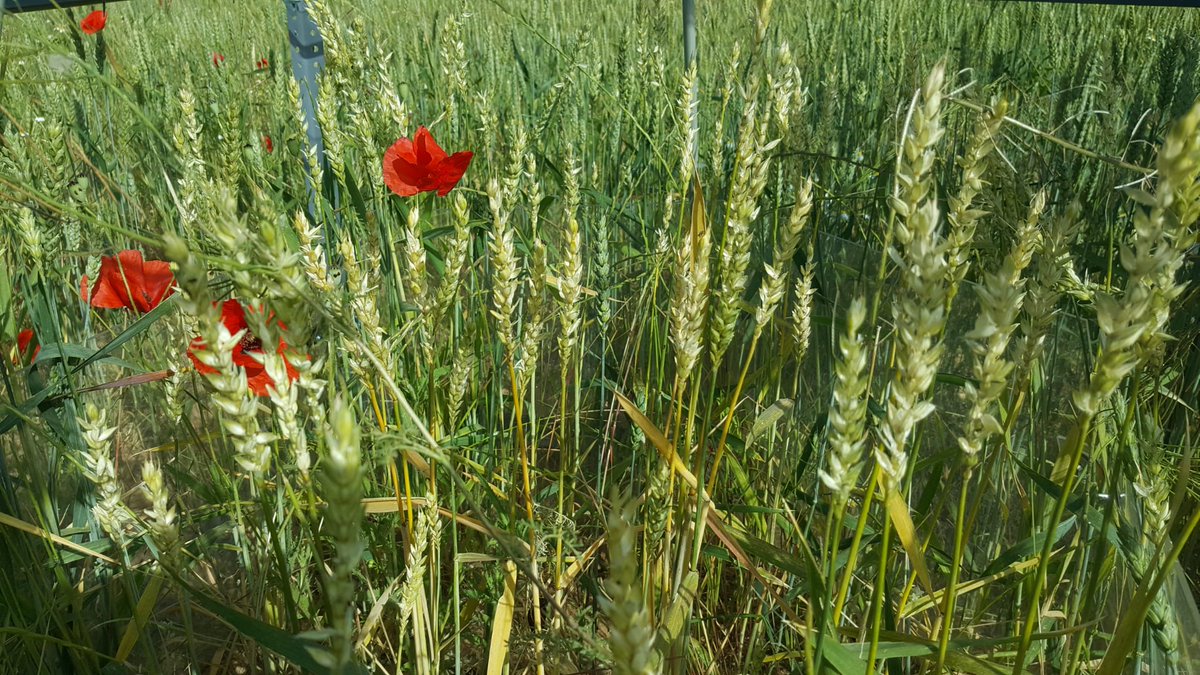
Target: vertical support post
[
  {"x": 689, "y": 60},
  {"x": 689, "y": 33},
  {"x": 307, "y": 51}
]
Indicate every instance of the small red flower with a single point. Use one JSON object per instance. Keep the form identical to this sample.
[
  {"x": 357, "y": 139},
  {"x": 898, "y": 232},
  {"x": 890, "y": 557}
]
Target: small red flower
[
  {"x": 233, "y": 315},
  {"x": 218, "y": 60},
  {"x": 24, "y": 338},
  {"x": 263, "y": 64},
  {"x": 267, "y": 144},
  {"x": 94, "y": 23},
  {"x": 129, "y": 282},
  {"x": 419, "y": 165}
]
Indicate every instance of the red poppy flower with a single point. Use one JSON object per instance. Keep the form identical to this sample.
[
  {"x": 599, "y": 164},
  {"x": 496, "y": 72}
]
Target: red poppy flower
[
  {"x": 263, "y": 63},
  {"x": 233, "y": 315},
  {"x": 267, "y": 144},
  {"x": 419, "y": 165},
  {"x": 218, "y": 60},
  {"x": 24, "y": 338},
  {"x": 94, "y": 23},
  {"x": 128, "y": 282}
]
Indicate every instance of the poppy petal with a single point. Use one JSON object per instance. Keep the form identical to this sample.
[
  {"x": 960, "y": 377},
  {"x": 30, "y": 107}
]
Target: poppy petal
[
  {"x": 233, "y": 315},
  {"x": 401, "y": 148},
  {"x": 198, "y": 345},
  {"x": 428, "y": 151},
  {"x": 450, "y": 171},
  {"x": 405, "y": 178},
  {"x": 399, "y": 164},
  {"x": 259, "y": 382},
  {"x": 109, "y": 291},
  {"x": 23, "y": 339},
  {"x": 158, "y": 283},
  {"x": 94, "y": 23}
]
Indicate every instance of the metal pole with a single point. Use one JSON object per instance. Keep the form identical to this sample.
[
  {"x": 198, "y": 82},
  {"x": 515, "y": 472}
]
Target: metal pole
[
  {"x": 18, "y": 6},
  {"x": 307, "y": 51},
  {"x": 689, "y": 33},
  {"x": 689, "y": 60}
]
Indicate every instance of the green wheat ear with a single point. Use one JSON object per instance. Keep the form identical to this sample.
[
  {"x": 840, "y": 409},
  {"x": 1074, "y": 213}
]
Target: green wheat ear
[{"x": 631, "y": 636}]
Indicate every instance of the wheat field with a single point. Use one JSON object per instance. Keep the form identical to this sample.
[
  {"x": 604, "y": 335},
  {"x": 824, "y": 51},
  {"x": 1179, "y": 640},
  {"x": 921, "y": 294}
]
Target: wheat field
[{"x": 865, "y": 342}]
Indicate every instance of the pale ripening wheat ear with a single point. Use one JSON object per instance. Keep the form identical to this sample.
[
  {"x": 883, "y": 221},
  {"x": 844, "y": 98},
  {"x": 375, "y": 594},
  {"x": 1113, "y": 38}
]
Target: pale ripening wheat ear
[
  {"x": 1000, "y": 298},
  {"x": 328, "y": 107},
  {"x": 750, "y": 178},
  {"x": 427, "y": 531},
  {"x": 1153, "y": 488},
  {"x": 456, "y": 261},
  {"x": 231, "y": 394},
  {"x": 962, "y": 217},
  {"x": 312, "y": 258},
  {"x": 1179, "y": 173},
  {"x": 188, "y": 138},
  {"x": 454, "y": 65},
  {"x": 511, "y": 181},
  {"x": 161, "y": 515},
  {"x": 415, "y": 282},
  {"x": 848, "y": 414},
  {"x": 312, "y": 164},
  {"x": 690, "y": 296},
  {"x": 786, "y": 91},
  {"x": 1042, "y": 294},
  {"x": 788, "y": 241},
  {"x": 365, "y": 310},
  {"x": 110, "y": 512},
  {"x": 504, "y": 272},
  {"x": 570, "y": 273},
  {"x": 1152, "y": 260},
  {"x": 630, "y": 636},
  {"x": 341, "y": 486},
  {"x": 730, "y": 77},
  {"x": 919, "y": 307},
  {"x": 689, "y": 105},
  {"x": 284, "y": 395},
  {"x": 801, "y": 327},
  {"x": 536, "y": 303}
]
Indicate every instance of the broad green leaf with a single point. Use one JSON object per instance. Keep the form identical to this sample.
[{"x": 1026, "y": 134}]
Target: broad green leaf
[
  {"x": 137, "y": 328},
  {"x": 1027, "y": 547},
  {"x": 304, "y": 655},
  {"x": 502, "y": 622},
  {"x": 907, "y": 532},
  {"x": 657, "y": 439},
  {"x": 68, "y": 353},
  {"x": 768, "y": 418},
  {"x": 18, "y": 524},
  {"x": 141, "y": 614}
]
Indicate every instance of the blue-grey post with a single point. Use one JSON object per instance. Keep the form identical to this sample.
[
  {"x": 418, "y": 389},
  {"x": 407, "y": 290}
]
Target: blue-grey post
[
  {"x": 689, "y": 59},
  {"x": 689, "y": 33},
  {"x": 308, "y": 60}
]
